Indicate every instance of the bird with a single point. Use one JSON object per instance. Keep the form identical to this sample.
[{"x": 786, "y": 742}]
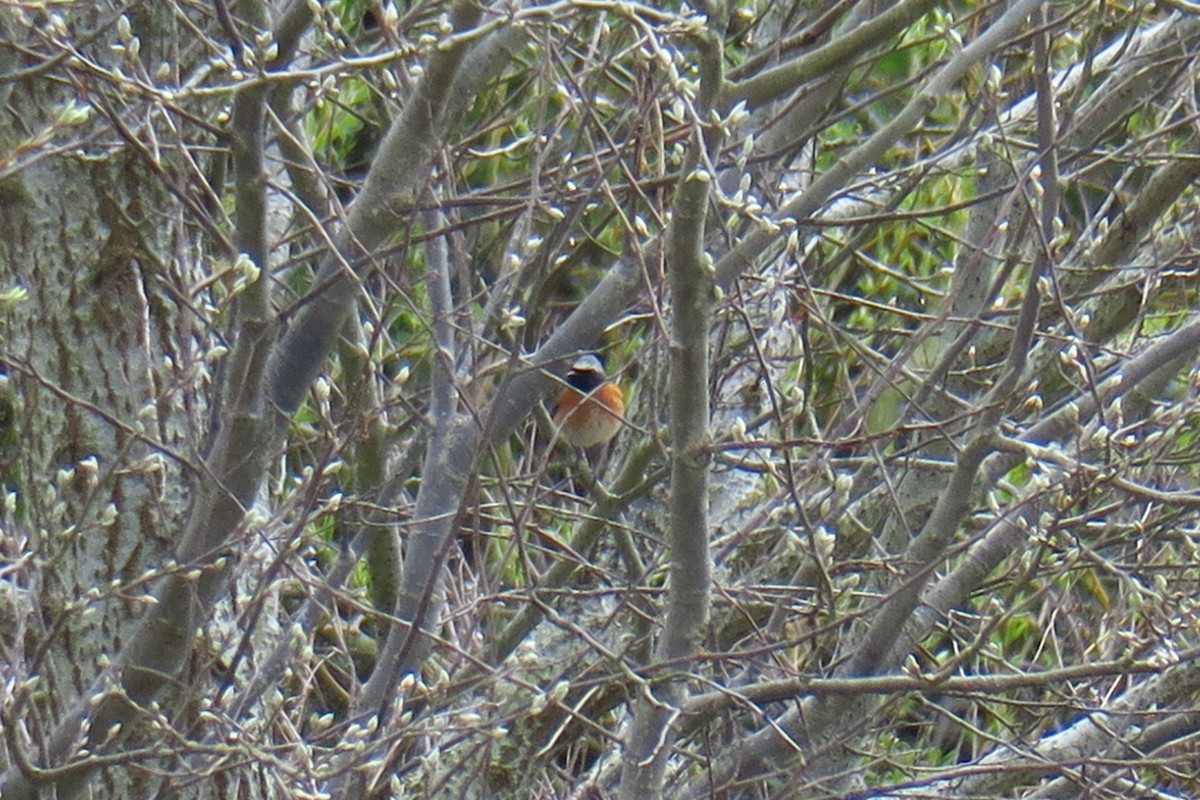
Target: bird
[{"x": 590, "y": 408}]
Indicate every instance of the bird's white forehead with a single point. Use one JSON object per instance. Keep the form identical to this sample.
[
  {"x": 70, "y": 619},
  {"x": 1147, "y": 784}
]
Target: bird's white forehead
[{"x": 588, "y": 363}]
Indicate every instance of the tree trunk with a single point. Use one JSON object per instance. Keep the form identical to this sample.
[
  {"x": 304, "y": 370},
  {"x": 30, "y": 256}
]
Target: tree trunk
[{"x": 103, "y": 352}]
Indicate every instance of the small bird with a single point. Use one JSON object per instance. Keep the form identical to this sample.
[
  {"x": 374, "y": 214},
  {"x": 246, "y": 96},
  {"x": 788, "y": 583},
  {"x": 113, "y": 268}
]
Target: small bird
[{"x": 589, "y": 410}]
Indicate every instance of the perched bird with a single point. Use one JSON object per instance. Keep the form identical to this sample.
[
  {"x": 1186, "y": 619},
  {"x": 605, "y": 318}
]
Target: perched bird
[{"x": 589, "y": 410}]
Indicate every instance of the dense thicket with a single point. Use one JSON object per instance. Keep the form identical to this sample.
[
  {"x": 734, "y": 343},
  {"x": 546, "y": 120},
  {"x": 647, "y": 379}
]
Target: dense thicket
[{"x": 902, "y": 297}]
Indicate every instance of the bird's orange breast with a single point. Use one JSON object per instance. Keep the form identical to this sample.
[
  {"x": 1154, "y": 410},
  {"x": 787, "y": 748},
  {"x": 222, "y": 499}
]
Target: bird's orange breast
[{"x": 591, "y": 419}]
